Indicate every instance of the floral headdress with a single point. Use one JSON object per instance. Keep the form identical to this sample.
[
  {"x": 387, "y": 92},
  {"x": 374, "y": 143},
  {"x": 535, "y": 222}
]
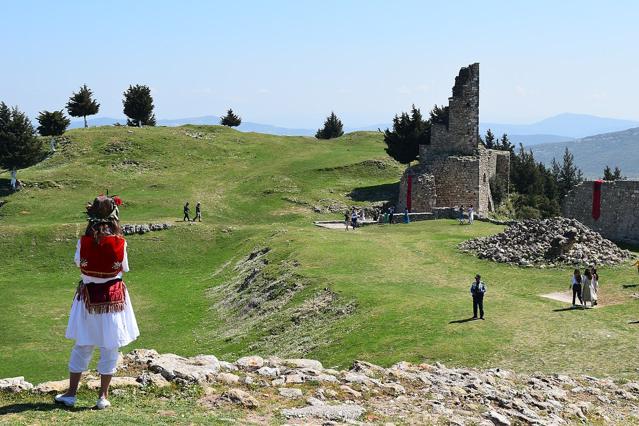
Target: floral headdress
[{"x": 104, "y": 209}]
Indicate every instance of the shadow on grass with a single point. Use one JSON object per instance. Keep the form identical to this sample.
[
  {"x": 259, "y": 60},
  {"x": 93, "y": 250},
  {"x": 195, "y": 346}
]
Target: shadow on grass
[
  {"x": 629, "y": 285},
  {"x": 37, "y": 406},
  {"x": 633, "y": 322},
  {"x": 463, "y": 320},
  {"x": 383, "y": 192},
  {"x": 570, "y": 308},
  {"x": 5, "y": 187}
]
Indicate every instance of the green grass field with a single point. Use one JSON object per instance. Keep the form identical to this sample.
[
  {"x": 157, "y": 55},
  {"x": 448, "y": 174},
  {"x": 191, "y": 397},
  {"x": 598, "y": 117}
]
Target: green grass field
[{"x": 408, "y": 282}]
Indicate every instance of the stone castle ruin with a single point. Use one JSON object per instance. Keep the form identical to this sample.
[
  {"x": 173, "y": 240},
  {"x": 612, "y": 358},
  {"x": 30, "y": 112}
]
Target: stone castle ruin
[
  {"x": 612, "y": 212},
  {"x": 455, "y": 168}
]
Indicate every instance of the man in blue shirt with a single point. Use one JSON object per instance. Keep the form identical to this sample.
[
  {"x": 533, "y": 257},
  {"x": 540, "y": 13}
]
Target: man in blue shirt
[{"x": 477, "y": 290}]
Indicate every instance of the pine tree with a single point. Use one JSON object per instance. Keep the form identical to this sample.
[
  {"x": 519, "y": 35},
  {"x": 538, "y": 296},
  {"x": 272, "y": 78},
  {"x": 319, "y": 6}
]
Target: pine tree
[
  {"x": 568, "y": 175},
  {"x": 504, "y": 144},
  {"x": 19, "y": 147},
  {"x": 231, "y": 119},
  {"x": 616, "y": 175},
  {"x": 489, "y": 140},
  {"x": 410, "y": 131},
  {"x": 138, "y": 106},
  {"x": 82, "y": 104},
  {"x": 52, "y": 124},
  {"x": 607, "y": 173},
  {"x": 333, "y": 128}
]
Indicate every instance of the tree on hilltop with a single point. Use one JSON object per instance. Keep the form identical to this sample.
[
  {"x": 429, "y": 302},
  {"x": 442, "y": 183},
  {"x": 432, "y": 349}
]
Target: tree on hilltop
[
  {"x": 82, "y": 104},
  {"x": 411, "y": 130},
  {"x": 138, "y": 106},
  {"x": 19, "y": 146},
  {"x": 333, "y": 128},
  {"x": 52, "y": 124},
  {"x": 231, "y": 119},
  {"x": 504, "y": 144}
]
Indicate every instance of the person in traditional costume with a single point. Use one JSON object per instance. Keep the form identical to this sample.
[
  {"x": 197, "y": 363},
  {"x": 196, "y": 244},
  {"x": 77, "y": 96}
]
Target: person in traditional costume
[
  {"x": 586, "y": 289},
  {"x": 101, "y": 314}
]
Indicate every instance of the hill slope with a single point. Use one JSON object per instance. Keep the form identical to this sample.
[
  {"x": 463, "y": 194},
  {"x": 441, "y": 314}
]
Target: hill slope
[
  {"x": 593, "y": 153},
  {"x": 256, "y": 277}
]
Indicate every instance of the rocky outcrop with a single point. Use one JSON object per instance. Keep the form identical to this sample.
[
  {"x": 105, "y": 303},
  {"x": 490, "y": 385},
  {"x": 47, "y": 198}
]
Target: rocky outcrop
[
  {"x": 298, "y": 390},
  {"x": 547, "y": 242}
]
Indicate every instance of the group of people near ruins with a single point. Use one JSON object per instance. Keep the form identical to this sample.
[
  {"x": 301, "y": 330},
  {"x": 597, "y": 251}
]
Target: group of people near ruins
[
  {"x": 187, "y": 212},
  {"x": 463, "y": 213},
  {"x": 585, "y": 287}
]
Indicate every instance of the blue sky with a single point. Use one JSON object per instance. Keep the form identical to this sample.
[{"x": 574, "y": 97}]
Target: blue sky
[{"x": 290, "y": 63}]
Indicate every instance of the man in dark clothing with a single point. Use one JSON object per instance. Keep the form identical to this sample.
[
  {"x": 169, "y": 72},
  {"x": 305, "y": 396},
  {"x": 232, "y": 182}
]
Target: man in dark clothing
[
  {"x": 477, "y": 290},
  {"x": 391, "y": 213},
  {"x": 198, "y": 212},
  {"x": 187, "y": 210}
]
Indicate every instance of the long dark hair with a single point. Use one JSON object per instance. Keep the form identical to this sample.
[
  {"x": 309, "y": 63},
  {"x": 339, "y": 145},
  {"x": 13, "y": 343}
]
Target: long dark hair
[
  {"x": 577, "y": 275},
  {"x": 103, "y": 219}
]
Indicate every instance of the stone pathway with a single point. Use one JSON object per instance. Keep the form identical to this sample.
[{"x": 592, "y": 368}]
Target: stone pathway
[{"x": 565, "y": 297}]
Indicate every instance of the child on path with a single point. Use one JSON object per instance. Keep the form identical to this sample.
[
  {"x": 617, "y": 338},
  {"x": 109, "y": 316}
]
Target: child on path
[
  {"x": 198, "y": 213},
  {"x": 347, "y": 219},
  {"x": 101, "y": 315}
]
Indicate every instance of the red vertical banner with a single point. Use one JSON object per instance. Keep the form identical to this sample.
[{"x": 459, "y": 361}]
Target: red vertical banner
[
  {"x": 596, "y": 199},
  {"x": 409, "y": 192}
]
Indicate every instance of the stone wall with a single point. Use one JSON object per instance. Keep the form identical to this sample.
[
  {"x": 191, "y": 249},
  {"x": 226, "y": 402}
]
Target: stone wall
[{"x": 619, "y": 220}]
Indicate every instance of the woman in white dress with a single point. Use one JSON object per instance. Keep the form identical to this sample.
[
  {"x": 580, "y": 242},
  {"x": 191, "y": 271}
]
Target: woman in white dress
[
  {"x": 101, "y": 315},
  {"x": 586, "y": 289},
  {"x": 595, "y": 285}
]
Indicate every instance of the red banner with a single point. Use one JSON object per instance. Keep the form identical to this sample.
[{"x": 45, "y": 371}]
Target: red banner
[
  {"x": 596, "y": 199},
  {"x": 409, "y": 192}
]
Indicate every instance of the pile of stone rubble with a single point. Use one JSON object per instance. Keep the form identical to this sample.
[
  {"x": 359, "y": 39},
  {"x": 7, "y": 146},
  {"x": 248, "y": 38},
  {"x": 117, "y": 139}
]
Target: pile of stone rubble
[
  {"x": 547, "y": 242},
  {"x": 129, "y": 229},
  {"x": 303, "y": 391}
]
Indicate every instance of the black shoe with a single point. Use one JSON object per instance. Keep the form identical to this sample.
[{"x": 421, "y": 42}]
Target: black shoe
[
  {"x": 474, "y": 317},
  {"x": 481, "y": 318}
]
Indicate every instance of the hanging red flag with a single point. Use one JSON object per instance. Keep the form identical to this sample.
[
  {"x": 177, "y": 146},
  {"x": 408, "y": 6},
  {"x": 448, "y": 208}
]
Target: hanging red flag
[
  {"x": 596, "y": 199},
  {"x": 409, "y": 192}
]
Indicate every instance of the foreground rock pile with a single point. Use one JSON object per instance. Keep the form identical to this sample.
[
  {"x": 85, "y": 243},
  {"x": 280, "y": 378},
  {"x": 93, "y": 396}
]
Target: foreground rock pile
[
  {"x": 129, "y": 229},
  {"x": 303, "y": 391},
  {"x": 547, "y": 242}
]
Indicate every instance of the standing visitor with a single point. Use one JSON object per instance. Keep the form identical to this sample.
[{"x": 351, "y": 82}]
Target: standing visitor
[
  {"x": 198, "y": 213},
  {"x": 576, "y": 287},
  {"x": 471, "y": 214},
  {"x": 586, "y": 288},
  {"x": 391, "y": 214},
  {"x": 101, "y": 314},
  {"x": 347, "y": 219},
  {"x": 406, "y": 216},
  {"x": 461, "y": 214},
  {"x": 637, "y": 265},
  {"x": 354, "y": 218},
  {"x": 595, "y": 285},
  {"x": 385, "y": 217},
  {"x": 477, "y": 290},
  {"x": 187, "y": 210}
]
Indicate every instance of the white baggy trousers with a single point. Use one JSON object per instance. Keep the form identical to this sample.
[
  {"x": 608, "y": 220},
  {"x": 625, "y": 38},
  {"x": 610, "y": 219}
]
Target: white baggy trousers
[{"x": 81, "y": 356}]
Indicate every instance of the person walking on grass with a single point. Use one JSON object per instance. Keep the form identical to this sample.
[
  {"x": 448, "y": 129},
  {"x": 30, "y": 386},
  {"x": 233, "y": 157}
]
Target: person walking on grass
[
  {"x": 391, "y": 214},
  {"x": 595, "y": 285},
  {"x": 187, "y": 210},
  {"x": 637, "y": 265},
  {"x": 471, "y": 214},
  {"x": 101, "y": 314},
  {"x": 576, "y": 287},
  {"x": 477, "y": 290},
  {"x": 347, "y": 219},
  {"x": 586, "y": 288},
  {"x": 406, "y": 216},
  {"x": 198, "y": 212},
  {"x": 461, "y": 214},
  {"x": 354, "y": 218}
]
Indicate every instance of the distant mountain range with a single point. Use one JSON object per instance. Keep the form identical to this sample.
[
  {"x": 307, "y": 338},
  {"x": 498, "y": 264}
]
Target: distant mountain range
[
  {"x": 560, "y": 128},
  {"x": 593, "y": 153}
]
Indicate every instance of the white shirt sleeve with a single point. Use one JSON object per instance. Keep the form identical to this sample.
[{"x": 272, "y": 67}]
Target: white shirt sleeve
[
  {"x": 76, "y": 258},
  {"x": 125, "y": 261}
]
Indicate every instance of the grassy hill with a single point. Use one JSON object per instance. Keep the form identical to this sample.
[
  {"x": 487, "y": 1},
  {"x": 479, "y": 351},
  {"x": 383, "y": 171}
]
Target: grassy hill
[{"x": 381, "y": 293}]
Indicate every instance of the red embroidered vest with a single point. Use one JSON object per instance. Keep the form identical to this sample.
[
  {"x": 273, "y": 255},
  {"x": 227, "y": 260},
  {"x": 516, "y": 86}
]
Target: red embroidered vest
[{"x": 102, "y": 259}]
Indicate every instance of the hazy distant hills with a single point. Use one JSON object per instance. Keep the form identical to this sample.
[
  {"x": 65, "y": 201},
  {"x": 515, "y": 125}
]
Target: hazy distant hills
[
  {"x": 567, "y": 125},
  {"x": 593, "y": 153}
]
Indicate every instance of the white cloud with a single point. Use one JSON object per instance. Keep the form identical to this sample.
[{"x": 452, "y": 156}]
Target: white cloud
[
  {"x": 264, "y": 91},
  {"x": 521, "y": 91}
]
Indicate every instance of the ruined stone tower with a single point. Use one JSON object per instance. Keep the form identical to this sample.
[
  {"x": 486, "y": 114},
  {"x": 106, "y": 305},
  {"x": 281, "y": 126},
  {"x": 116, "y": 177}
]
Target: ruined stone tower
[{"x": 455, "y": 169}]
